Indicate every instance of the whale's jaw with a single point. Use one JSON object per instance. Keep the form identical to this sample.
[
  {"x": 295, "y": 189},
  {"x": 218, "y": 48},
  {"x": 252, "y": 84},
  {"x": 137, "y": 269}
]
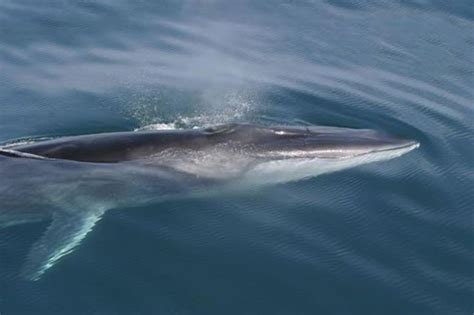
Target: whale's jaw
[{"x": 295, "y": 169}]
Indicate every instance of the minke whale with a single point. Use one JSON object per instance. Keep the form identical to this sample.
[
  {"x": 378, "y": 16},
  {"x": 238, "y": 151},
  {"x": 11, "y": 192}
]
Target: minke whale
[{"x": 72, "y": 181}]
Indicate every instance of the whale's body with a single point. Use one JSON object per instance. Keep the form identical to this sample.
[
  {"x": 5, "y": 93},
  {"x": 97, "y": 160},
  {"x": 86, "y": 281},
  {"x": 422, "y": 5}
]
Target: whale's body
[{"x": 73, "y": 181}]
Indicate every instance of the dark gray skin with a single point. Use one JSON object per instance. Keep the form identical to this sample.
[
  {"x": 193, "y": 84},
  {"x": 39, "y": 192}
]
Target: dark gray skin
[{"x": 260, "y": 141}]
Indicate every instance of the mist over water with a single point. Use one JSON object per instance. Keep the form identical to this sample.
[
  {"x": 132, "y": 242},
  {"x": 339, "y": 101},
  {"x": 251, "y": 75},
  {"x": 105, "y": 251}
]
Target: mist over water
[{"x": 393, "y": 237}]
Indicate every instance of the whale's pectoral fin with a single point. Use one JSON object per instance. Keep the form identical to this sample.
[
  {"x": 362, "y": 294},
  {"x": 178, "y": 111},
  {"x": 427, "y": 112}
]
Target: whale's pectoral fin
[{"x": 62, "y": 236}]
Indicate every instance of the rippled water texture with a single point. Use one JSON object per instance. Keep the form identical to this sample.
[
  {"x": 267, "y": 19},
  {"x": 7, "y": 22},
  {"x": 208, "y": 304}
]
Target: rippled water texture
[{"x": 387, "y": 238}]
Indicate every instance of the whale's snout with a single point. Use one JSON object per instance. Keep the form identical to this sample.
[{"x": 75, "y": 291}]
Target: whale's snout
[{"x": 397, "y": 144}]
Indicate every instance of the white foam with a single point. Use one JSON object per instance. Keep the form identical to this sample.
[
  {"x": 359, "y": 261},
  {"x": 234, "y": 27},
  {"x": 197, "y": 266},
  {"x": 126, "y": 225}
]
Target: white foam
[{"x": 158, "y": 126}]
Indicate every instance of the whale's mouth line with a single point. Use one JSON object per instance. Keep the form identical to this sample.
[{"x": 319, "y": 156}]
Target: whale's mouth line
[
  {"x": 411, "y": 145},
  {"x": 302, "y": 154}
]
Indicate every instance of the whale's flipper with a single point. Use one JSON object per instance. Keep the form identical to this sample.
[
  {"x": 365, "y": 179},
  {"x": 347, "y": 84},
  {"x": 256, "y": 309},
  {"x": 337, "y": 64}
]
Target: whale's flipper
[{"x": 66, "y": 231}]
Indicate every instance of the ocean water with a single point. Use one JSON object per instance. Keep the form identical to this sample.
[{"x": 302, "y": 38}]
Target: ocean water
[{"x": 394, "y": 237}]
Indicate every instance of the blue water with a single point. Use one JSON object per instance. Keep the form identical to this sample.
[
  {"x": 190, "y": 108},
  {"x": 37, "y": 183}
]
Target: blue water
[{"x": 394, "y": 237}]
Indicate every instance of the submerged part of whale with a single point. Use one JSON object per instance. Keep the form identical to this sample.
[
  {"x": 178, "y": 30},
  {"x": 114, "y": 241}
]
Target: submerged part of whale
[{"x": 74, "y": 180}]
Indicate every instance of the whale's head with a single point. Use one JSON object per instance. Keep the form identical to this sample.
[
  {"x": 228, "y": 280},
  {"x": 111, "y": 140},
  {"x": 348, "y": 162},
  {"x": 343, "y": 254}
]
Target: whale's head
[
  {"x": 286, "y": 153},
  {"x": 288, "y": 142}
]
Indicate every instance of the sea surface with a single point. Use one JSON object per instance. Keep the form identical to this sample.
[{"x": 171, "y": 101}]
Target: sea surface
[{"x": 393, "y": 237}]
